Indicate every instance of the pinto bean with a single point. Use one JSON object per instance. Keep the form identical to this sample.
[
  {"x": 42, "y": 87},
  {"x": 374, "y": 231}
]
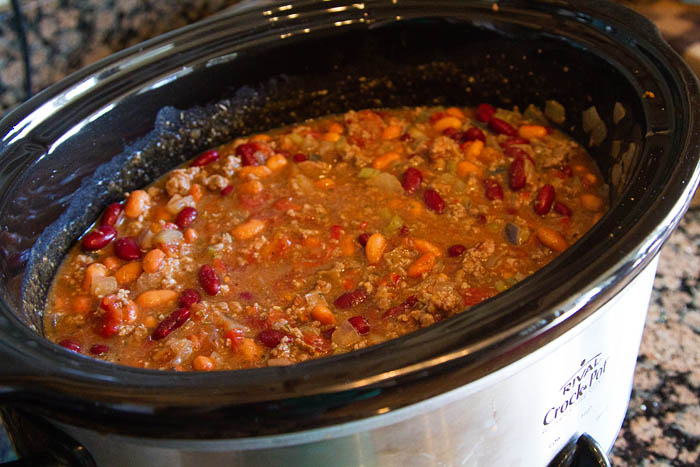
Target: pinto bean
[
  {"x": 136, "y": 204},
  {"x": 153, "y": 260},
  {"x": 376, "y": 244},
  {"x": 128, "y": 273},
  {"x": 202, "y": 363},
  {"x": 248, "y": 230},
  {"x": 323, "y": 314},
  {"x": 422, "y": 265},
  {"x": 155, "y": 298},
  {"x": 551, "y": 239}
]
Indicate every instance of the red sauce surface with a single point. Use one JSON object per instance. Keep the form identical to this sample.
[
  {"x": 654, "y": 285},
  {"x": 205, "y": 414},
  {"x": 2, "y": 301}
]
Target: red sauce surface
[{"x": 323, "y": 237}]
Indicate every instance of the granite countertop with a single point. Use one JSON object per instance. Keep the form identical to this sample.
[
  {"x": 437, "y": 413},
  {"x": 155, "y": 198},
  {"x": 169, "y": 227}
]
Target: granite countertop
[{"x": 662, "y": 427}]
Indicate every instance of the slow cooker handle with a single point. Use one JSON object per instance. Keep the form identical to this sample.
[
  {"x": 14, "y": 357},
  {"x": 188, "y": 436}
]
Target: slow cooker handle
[{"x": 582, "y": 452}]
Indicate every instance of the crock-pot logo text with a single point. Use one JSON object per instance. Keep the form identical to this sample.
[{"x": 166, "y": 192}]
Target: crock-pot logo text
[{"x": 577, "y": 387}]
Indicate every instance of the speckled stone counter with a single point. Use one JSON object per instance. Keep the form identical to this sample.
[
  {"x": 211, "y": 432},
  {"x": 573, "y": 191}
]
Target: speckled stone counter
[
  {"x": 662, "y": 427},
  {"x": 66, "y": 35}
]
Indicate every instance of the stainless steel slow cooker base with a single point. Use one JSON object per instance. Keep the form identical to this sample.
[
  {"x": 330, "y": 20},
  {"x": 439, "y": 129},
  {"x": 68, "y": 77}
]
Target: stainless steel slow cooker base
[
  {"x": 500, "y": 384},
  {"x": 521, "y": 415}
]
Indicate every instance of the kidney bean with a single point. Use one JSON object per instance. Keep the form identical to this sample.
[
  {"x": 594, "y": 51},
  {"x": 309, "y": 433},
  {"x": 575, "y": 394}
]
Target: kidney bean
[
  {"x": 394, "y": 311},
  {"x": 484, "y": 112},
  {"x": 209, "y": 280},
  {"x": 245, "y": 295},
  {"x": 227, "y": 190},
  {"x": 299, "y": 157},
  {"x": 543, "y": 202},
  {"x": 404, "y": 231},
  {"x": 112, "y": 213},
  {"x": 493, "y": 189},
  {"x": 363, "y": 238},
  {"x": 401, "y": 308},
  {"x": 459, "y": 136},
  {"x": 474, "y": 133},
  {"x": 412, "y": 179},
  {"x": 360, "y": 324},
  {"x": 456, "y": 250},
  {"x": 515, "y": 152},
  {"x": 562, "y": 209},
  {"x": 108, "y": 327},
  {"x": 502, "y": 127},
  {"x": 127, "y": 249},
  {"x": 328, "y": 333},
  {"x": 185, "y": 217},
  {"x": 99, "y": 238},
  {"x": 271, "y": 337},
  {"x": 176, "y": 319},
  {"x": 189, "y": 297},
  {"x": 434, "y": 201},
  {"x": 70, "y": 345},
  {"x": 351, "y": 299},
  {"x": 481, "y": 218},
  {"x": 567, "y": 171},
  {"x": 111, "y": 319},
  {"x": 436, "y": 116},
  {"x": 246, "y": 152},
  {"x": 516, "y": 175},
  {"x": 450, "y": 132},
  {"x": 513, "y": 141},
  {"x": 206, "y": 158},
  {"x": 99, "y": 349}
]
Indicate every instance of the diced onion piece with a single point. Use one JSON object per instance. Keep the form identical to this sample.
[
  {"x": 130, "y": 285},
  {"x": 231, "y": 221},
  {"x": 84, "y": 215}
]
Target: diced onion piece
[
  {"x": 619, "y": 112},
  {"x": 598, "y": 135},
  {"x": 535, "y": 115},
  {"x": 615, "y": 147},
  {"x": 259, "y": 157},
  {"x": 458, "y": 186},
  {"x": 145, "y": 238},
  {"x": 593, "y": 124},
  {"x": 386, "y": 182},
  {"x": 181, "y": 349},
  {"x": 345, "y": 334},
  {"x": 177, "y": 202},
  {"x": 415, "y": 133},
  {"x": 168, "y": 236},
  {"x": 394, "y": 224},
  {"x": 102, "y": 286},
  {"x": 315, "y": 298},
  {"x": 304, "y": 183},
  {"x": 591, "y": 119},
  {"x": 554, "y": 111}
]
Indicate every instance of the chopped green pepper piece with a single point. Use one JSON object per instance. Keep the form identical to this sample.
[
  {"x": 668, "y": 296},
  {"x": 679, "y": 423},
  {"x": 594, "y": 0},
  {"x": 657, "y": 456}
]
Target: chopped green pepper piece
[{"x": 368, "y": 172}]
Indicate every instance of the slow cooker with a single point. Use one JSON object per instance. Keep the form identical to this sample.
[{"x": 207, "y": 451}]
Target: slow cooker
[{"x": 540, "y": 374}]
